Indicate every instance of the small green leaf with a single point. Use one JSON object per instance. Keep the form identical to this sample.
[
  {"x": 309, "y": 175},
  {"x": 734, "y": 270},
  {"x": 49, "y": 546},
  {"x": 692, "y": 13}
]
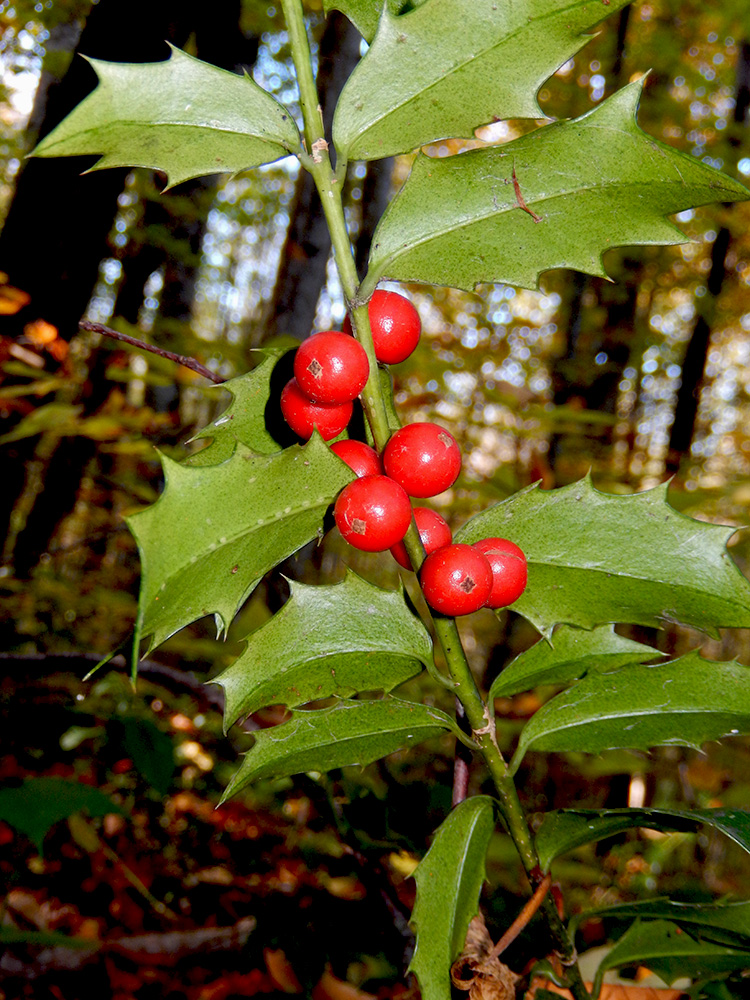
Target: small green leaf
[
  {"x": 151, "y": 751},
  {"x": 570, "y": 653},
  {"x": 681, "y": 703},
  {"x": 36, "y": 805},
  {"x": 326, "y": 641},
  {"x": 670, "y": 952},
  {"x": 565, "y": 829},
  {"x": 244, "y": 418},
  {"x": 722, "y": 923},
  {"x": 57, "y": 418},
  {"x": 449, "y": 66},
  {"x": 216, "y": 530},
  {"x": 449, "y": 879},
  {"x": 595, "y": 558},
  {"x": 352, "y": 732},
  {"x": 182, "y": 116},
  {"x": 593, "y": 183}
]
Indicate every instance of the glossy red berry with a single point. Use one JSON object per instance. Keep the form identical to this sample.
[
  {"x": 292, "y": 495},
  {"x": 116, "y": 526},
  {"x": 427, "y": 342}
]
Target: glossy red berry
[
  {"x": 433, "y": 530},
  {"x": 395, "y": 326},
  {"x": 509, "y": 570},
  {"x": 423, "y": 458},
  {"x": 331, "y": 368},
  {"x": 360, "y": 457},
  {"x": 456, "y": 579},
  {"x": 372, "y": 513},
  {"x": 303, "y": 416}
]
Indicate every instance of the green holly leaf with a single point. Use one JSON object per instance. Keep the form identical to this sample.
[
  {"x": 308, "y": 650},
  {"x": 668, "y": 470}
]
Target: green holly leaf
[
  {"x": 215, "y": 531},
  {"x": 449, "y": 879},
  {"x": 326, "y": 641},
  {"x": 565, "y": 829},
  {"x": 244, "y": 418},
  {"x": 36, "y": 805},
  {"x": 557, "y": 197},
  {"x": 448, "y": 66},
  {"x": 722, "y": 923},
  {"x": 670, "y": 952},
  {"x": 568, "y": 655},
  {"x": 181, "y": 116},
  {"x": 351, "y": 732},
  {"x": 364, "y": 14},
  {"x": 681, "y": 703},
  {"x": 595, "y": 558}
]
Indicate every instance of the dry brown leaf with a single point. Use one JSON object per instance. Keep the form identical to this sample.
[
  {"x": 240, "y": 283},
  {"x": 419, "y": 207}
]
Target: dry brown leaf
[
  {"x": 331, "y": 988},
  {"x": 476, "y": 971},
  {"x": 610, "y": 991},
  {"x": 280, "y": 970}
]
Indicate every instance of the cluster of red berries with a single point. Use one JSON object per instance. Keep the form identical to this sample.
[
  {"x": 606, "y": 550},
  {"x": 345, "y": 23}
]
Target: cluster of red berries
[{"x": 420, "y": 460}]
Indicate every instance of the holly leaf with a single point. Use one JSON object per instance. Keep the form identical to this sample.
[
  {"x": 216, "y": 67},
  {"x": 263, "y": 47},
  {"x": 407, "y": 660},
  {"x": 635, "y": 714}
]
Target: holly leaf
[
  {"x": 215, "y": 531},
  {"x": 670, "y": 952},
  {"x": 681, "y": 703},
  {"x": 723, "y": 923},
  {"x": 181, "y": 116},
  {"x": 568, "y": 655},
  {"x": 449, "y": 879},
  {"x": 351, "y": 732},
  {"x": 595, "y": 558},
  {"x": 244, "y": 418},
  {"x": 556, "y": 197},
  {"x": 565, "y": 829},
  {"x": 364, "y": 14},
  {"x": 446, "y": 67},
  {"x": 326, "y": 641}
]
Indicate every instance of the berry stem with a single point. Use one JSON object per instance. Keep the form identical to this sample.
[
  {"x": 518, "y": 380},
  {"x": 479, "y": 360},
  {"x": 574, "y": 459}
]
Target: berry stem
[{"x": 316, "y": 159}]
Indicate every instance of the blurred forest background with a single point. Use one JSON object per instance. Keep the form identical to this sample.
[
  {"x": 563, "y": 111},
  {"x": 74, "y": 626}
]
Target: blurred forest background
[{"x": 637, "y": 380}]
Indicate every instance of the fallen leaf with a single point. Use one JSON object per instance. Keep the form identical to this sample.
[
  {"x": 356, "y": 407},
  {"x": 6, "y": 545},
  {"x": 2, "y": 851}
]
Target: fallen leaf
[{"x": 488, "y": 978}]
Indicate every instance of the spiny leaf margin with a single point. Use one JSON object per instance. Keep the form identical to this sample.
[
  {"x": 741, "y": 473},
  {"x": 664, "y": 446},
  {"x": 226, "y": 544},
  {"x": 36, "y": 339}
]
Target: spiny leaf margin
[
  {"x": 444, "y": 67},
  {"x": 350, "y": 732},
  {"x": 449, "y": 879},
  {"x": 593, "y": 183},
  {"x": 182, "y": 116},
  {"x": 327, "y": 640},
  {"x": 598, "y": 558}
]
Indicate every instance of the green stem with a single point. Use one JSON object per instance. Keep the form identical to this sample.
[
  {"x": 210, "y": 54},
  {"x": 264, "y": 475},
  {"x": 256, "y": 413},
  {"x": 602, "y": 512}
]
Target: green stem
[{"x": 317, "y": 161}]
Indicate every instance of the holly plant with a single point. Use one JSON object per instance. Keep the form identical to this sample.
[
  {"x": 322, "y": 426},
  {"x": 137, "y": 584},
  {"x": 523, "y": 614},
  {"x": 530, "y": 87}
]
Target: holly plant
[{"x": 573, "y": 561}]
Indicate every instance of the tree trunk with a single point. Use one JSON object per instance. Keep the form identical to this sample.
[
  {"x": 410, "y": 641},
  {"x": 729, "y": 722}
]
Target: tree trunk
[
  {"x": 694, "y": 363},
  {"x": 304, "y": 259},
  {"x": 51, "y": 246}
]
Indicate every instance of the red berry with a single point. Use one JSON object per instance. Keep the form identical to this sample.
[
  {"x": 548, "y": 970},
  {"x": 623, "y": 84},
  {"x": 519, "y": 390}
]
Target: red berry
[
  {"x": 423, "y": 458},
  {"x": 360, "y": 457},
  {"x": 372, "y": 513},
  {"x": 331, "y": 368},
  {"x": 433, "y": 530},
  {"x": 303, "y": 416},
  {"x": 456, "y": 579},
  {"x": 395, "y": 326},
  {"x": 509, "y": 571}
]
